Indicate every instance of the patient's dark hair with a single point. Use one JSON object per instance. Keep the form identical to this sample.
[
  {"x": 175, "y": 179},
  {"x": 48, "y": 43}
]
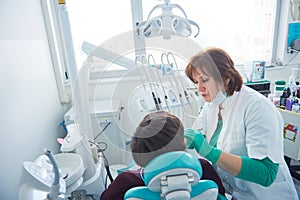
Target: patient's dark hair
[{"x": 159, "y": 132}]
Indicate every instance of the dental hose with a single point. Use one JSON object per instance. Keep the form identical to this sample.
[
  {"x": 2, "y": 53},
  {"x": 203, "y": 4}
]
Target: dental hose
[
  {"x": 107, "y": 168},
  {"x": 54, "y": 190},
  {"x": 106, "y": 164}
]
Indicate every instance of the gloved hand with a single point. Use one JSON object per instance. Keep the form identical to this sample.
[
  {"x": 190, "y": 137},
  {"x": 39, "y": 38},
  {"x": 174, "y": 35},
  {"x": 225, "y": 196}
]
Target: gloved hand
[
  {"x": 190, "y": 135},
  {"x": 196, "y": 140}
]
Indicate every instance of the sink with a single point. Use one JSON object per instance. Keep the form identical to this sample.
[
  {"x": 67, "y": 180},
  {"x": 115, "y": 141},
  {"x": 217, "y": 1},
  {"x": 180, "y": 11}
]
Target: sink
[
  {"x": 71, "y": 167},
  {"x": 36, "y": 181},
  {"x": 38, "y": 176}
]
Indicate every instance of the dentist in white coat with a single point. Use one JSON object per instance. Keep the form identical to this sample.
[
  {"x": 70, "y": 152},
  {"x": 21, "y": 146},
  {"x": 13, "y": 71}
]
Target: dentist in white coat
[{"x": 239, "y": 130}]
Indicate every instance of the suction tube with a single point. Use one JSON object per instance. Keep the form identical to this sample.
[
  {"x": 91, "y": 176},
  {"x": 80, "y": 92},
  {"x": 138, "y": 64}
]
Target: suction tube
[
  {"x": 55, "y": 166},
  {"x": 54, "y": 191}
]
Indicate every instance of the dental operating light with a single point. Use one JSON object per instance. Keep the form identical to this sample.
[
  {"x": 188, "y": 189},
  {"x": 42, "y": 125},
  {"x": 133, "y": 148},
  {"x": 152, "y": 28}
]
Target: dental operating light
[{"x": 167, "y": 23}]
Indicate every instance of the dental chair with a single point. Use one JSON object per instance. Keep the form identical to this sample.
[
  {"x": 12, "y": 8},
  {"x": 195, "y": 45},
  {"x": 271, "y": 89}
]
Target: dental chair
[{"x": 174, "y": 176}]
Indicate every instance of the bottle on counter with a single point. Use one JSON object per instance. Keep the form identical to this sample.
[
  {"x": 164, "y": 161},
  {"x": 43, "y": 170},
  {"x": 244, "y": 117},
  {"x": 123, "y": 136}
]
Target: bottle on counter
[
  {"x": 292, "y": 81},
  {"x": 285, "y": 94},
  {"x": 298, "y": 89},
  {"x": 289, "y": 102},
  {"x": 296, "y": 106},
  {"x": 279, "y": 86}
]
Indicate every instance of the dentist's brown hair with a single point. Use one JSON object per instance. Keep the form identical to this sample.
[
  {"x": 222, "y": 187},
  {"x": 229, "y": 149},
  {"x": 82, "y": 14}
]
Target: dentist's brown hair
[{"x": 217, "y": 63}]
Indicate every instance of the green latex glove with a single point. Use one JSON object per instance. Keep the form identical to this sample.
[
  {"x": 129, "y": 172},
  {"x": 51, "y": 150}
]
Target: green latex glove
[{"x": 196, "y": 140}]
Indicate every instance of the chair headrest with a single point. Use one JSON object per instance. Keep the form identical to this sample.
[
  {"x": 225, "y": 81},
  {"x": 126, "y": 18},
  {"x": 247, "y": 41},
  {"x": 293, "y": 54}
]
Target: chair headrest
[
  {"x": 174, "y": 175},
  {"x": 172, "y": 163}
]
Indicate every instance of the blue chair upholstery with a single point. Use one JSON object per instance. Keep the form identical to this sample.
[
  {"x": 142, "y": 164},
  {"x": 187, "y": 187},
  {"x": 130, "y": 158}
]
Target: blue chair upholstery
[{"x": 173, "y": 176}]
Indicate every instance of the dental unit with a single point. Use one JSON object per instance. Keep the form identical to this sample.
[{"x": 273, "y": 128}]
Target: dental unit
[{"x": 79, "y": 166}]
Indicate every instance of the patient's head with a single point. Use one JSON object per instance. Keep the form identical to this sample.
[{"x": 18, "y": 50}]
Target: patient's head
[{"x": 159, "y": 132}]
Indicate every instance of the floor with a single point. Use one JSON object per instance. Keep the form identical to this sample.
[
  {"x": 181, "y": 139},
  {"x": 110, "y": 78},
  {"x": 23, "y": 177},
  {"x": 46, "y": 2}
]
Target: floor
[{"x": 297, "y": 185}]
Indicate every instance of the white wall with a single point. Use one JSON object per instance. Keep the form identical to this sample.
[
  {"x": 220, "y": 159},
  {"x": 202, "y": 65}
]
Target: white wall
[
  {"x": 30, "y": 110},
  {"x": 280, "y": 73}
]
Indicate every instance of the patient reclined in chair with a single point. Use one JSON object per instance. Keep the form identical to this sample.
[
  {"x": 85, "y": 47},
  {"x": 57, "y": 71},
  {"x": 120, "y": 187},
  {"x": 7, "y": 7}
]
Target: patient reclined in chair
[
  {"x": 174, "y": 176},
  {"x": 167, "y": 171}
]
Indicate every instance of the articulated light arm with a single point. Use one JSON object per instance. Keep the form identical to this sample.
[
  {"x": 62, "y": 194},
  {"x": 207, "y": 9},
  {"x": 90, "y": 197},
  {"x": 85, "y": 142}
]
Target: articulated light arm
[{"x": 105, "y": 54}]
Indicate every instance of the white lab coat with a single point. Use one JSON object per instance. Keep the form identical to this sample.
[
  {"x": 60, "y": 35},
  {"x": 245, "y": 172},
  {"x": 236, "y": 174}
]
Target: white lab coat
[{"x": 252, "y": 126}]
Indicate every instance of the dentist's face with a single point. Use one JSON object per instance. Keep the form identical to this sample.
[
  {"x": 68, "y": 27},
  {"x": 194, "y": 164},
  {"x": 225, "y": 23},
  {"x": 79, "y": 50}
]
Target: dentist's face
[{"x": 206, "y": 85}]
